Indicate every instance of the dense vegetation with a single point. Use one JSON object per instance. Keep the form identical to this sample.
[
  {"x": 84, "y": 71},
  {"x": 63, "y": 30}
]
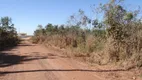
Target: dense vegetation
[
  {"x": 117, "y": 38},
  {"x": 8, "y": 34}
]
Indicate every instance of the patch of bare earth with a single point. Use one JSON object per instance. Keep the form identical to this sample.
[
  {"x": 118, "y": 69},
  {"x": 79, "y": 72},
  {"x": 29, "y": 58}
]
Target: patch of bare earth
[{"x": 34, "y": 62}]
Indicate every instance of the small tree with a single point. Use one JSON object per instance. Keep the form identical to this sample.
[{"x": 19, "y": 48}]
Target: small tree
[{"x": 8, "y": 34}]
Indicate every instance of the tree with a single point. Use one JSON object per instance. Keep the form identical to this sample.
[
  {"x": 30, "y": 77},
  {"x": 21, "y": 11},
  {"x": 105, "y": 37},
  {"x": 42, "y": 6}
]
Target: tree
[
  {"x": 79, "y": 19},
  {"x": 40, "y": 31},
  {"x": 8, "y": 34},
  {"x": 49, "y": 27}
]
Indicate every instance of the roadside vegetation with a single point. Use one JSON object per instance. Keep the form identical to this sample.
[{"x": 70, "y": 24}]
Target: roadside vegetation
[
  {"x": 8, "y": 34},
  {"x": 117, "y": 38}
]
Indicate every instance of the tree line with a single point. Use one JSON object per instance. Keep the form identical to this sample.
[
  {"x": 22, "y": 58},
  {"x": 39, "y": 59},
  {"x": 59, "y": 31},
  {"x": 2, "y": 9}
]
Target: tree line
[{"x": 117, "y": 38}]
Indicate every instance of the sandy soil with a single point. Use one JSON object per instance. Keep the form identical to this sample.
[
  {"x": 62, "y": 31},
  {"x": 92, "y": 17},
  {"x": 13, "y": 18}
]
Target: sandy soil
[{"x": 34, "y": 62}]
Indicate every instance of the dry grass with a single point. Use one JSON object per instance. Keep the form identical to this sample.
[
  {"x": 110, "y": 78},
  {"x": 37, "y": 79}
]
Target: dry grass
[
  {"x": 119, "y": 43},
  {"x": 98, "y": 50}
]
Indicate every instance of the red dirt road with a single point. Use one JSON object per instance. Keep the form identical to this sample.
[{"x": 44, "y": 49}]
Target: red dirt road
[{"x": 34, "y": 62}]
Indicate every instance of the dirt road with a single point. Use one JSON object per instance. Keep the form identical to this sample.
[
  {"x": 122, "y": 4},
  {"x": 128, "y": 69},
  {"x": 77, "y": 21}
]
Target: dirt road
[{"x": 34, "y": 62}]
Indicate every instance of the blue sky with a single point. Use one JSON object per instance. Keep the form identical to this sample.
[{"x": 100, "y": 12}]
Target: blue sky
[{"x": 27, "y": 14}]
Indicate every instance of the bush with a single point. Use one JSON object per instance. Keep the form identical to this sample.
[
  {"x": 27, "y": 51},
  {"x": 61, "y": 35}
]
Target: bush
[
  {"x": 118, "y": 37},
  {"x": 8, "y": 35}
]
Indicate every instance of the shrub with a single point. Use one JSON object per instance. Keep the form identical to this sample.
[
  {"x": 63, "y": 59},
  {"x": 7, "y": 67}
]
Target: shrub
[
  {"x": 8, "y": 35},
  {"x": 118, "y": 37}
]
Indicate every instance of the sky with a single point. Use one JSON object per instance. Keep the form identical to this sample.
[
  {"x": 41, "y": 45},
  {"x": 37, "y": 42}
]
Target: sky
[{"x": 27, "y": 14}]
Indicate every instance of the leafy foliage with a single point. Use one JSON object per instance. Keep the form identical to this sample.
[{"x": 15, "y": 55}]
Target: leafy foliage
[{"x": 8, "y": 34}]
